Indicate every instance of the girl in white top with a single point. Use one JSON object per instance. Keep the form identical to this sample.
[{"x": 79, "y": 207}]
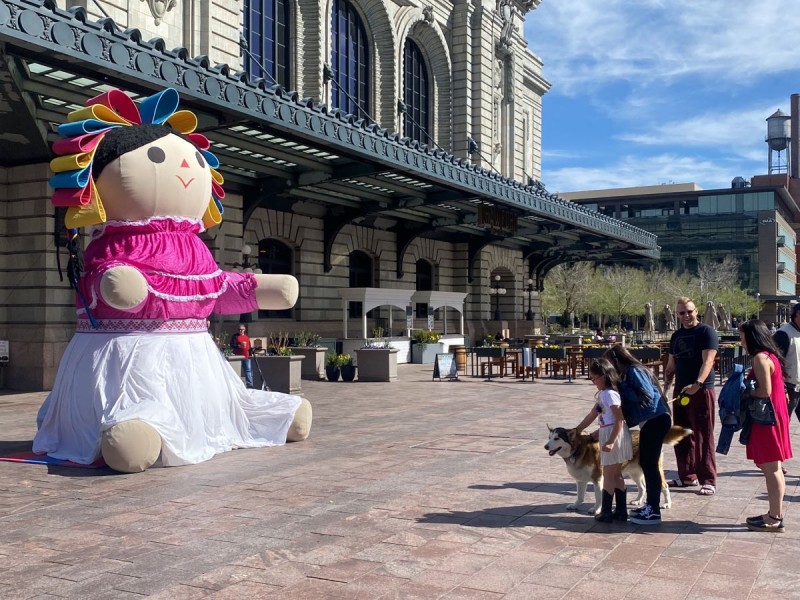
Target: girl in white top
[{"x": 615, "y": 438}]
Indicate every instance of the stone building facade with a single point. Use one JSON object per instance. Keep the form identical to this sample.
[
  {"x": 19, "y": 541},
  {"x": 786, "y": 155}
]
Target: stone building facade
[{"x": 456, "y": 77}]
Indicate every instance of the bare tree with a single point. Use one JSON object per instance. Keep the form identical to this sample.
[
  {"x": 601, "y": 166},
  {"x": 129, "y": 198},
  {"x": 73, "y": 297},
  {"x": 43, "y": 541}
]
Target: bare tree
[
  {"x": 624, "y": 291},
  {"x": 716, "y": 277},
  {"x": 565, "y": 288}
]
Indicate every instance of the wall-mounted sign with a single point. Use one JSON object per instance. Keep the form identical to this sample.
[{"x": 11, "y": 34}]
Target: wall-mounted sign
[{"x": 498, "y": 220}]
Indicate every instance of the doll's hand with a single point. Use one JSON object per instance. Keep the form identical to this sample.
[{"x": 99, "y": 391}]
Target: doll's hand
[
  {"x": 276, "y": 292},
  {"x": 607, "y": 447},
  {"x": 123, "y": 287}
]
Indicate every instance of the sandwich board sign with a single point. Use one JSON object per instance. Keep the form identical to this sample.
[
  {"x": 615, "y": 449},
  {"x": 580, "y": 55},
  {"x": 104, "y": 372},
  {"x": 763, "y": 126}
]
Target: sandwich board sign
[{"x": 444, "y": 367}]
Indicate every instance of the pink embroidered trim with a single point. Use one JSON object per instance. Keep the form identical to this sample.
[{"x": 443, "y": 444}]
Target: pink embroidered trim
[
  {"x": 96, "y": 231},
  {"x": 143, "y": 326}
]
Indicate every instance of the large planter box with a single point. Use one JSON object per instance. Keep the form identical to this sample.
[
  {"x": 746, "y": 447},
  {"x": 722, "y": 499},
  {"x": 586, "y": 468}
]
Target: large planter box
[
  {"x": 646, "y": 354},
  {"x": 425, "y": 354},
  {"x": 551, "y": 353},
  {"x": 378, "y": 364},
  {"x": 314, "y": 363},
  {"x": 281, "y": 373}
]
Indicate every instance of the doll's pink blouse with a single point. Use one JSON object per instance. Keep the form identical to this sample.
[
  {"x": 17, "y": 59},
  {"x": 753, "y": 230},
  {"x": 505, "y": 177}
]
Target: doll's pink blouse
[{"x": 183, "y": 280}]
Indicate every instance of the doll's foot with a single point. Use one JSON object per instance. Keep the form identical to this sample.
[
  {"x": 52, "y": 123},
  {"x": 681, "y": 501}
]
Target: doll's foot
[
  {"x": 301, "y": 426},
  {"x": 130, "y": 446}
]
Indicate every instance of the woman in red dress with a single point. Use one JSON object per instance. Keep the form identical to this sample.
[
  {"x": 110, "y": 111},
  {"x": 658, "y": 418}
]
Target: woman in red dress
[{"x": 768, "y": 446}]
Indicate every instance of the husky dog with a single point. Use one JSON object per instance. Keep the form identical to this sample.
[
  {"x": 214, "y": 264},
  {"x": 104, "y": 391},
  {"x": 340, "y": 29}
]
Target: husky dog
[{"x": 582, "y": 455}]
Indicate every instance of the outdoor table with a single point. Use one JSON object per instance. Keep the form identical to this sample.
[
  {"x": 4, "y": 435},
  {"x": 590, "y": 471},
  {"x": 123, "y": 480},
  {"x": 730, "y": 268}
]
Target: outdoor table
[
  {"x": 493, "y": 356},
  {"x": 650, "y": 357},
  {"x": 557, "y": 358},
  {"x": 590, "y": 354}
]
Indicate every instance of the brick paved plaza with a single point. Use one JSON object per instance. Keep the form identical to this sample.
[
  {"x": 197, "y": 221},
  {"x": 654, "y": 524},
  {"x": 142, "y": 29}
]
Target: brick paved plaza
[{"x": 412, "y": 489}]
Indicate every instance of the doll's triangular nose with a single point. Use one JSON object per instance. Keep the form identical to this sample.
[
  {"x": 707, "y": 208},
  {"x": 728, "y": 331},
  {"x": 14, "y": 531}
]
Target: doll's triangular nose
[{"x": 184, "y": 164}]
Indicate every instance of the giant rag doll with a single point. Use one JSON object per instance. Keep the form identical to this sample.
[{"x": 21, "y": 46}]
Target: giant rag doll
[{"x": 142, "y": 381}]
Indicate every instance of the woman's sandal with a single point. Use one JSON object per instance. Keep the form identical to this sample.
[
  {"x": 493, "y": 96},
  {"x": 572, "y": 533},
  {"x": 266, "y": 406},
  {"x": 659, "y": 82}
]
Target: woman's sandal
[
  {"x": 707, "y": 490},
  {"x": 759, "y": 523},
  {"x": 677, "y": 483}
]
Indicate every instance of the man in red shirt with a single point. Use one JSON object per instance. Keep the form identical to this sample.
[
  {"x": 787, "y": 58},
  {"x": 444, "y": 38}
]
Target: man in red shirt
[{"x": 242, "y": 347}]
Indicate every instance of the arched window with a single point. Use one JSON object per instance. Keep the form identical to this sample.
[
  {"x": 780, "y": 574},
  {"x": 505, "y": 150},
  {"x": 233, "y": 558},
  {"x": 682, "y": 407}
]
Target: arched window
[
  {"x": 361, "y": 274},
  {"x": 266, "y": 28},
  {"x": 349, "y": 60},
  {"x": 275, "y": 258},
  {"x": 415, "y": 94},
  {"x": 424, "y": 284}
]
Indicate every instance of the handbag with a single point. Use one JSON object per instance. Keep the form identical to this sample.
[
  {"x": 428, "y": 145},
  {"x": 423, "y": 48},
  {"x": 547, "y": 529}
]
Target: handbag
[{"x": 761, "y": 411}]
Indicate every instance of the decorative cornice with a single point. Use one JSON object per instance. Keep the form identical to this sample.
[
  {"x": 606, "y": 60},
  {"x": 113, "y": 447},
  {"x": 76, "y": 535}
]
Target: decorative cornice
[{"x": 40, "y": 28}]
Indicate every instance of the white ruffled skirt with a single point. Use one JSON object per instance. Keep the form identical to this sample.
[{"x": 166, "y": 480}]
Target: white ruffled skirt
[
  {"x": 179, "y": 383},
  {"x": 622, "y": 450}
]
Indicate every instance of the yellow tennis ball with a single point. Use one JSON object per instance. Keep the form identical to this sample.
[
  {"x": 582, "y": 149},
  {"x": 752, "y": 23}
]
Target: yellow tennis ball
[{"x": 684, "y": 400}]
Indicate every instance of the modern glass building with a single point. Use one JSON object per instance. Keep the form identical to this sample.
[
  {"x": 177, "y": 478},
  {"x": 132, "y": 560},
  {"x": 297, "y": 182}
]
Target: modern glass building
[{"x": 754, "y": 225}]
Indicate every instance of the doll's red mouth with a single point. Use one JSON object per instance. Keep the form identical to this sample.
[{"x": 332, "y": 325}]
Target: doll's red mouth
[{"x": 185, "y": 183}]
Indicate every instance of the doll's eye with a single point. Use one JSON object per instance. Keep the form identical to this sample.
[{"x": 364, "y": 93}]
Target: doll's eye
[
  {"x": 200, "y": 159},
  {"x": 156, "y": 154}
]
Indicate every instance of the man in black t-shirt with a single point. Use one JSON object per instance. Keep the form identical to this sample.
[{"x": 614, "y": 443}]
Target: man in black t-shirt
[{"x": 692, "y": 350}]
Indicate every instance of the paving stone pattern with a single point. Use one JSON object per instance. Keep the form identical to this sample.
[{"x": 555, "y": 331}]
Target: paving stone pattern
[{"x": 411, "y": 489}]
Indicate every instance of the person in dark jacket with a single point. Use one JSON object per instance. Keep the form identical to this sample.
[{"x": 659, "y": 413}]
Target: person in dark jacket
[{"x": 643, "y": 404}]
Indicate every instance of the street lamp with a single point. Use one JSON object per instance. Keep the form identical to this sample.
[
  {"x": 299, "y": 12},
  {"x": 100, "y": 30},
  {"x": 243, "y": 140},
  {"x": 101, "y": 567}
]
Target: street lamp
[
  {"x": 758, "y": 307},
  {"x": 247, "y": 267},
  {"x": 529, "y": 289},
  {"x": 497, "y": 291}
]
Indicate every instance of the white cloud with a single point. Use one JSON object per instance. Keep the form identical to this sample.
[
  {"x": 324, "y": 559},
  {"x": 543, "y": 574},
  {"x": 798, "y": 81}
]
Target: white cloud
[
  {"x": 559, "y": 154},
  {"x": 586, "y": 44},
  {"x": 634, "y": 170},
  {"x": 737, "y": 131}
]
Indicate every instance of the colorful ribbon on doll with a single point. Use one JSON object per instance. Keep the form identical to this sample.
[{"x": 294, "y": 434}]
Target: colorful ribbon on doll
[{"x": 85, "y": 128}]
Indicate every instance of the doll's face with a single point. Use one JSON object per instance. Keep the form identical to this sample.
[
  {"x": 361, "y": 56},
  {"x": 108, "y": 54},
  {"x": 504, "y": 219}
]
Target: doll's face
[{"x": 165, "y": 178}]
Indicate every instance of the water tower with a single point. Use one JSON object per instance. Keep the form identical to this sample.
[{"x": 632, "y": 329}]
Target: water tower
[{"x": 778, "y": 136}]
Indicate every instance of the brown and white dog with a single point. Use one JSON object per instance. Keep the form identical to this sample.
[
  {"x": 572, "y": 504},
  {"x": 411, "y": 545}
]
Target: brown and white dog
[{"x": 582, "y": 455}]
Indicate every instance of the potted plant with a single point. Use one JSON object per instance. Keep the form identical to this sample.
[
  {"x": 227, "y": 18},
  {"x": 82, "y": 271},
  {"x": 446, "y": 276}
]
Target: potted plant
[
  {"x": 306, "y": 344},
  {"x": 280, "y": 368},
  {"x": 346, "y": 367},
  {"x": 427, "y": 345},
  {"x": 332, "y": 368},
  {"x": 377, "y": 361}
]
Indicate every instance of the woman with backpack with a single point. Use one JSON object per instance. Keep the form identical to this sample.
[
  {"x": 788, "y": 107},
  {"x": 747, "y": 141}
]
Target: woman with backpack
[
  {"x": 643, "y": 404},
  {"x": 768, "y": 445}
]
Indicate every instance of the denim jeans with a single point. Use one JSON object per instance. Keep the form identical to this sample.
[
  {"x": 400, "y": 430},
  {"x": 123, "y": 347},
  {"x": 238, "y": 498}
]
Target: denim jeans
[{"x": 247, "y": 370}]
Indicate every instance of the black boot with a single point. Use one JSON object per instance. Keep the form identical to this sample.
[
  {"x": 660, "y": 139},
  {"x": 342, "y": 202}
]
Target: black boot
[
  {"x": 605, "y": 515},
  {"x": 621, "y": 498}
]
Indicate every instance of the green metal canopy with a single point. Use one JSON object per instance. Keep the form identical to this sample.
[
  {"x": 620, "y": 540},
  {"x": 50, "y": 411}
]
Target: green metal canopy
[{"x": 287, "y": 153}]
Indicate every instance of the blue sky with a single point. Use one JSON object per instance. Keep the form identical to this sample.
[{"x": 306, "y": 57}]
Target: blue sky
[{"x": 648, "y": 91}]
